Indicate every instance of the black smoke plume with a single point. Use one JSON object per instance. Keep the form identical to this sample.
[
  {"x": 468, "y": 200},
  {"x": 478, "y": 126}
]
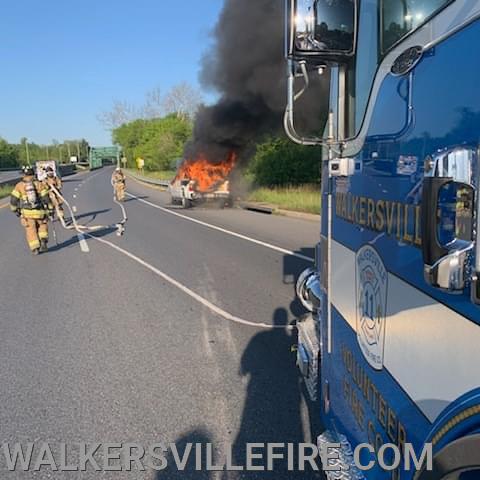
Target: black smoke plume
[{"x": 247, "y": 68}]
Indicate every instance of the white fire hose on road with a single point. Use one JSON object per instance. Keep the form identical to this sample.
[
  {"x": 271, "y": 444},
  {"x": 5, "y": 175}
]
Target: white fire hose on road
[{"x": 120, "y": 227}]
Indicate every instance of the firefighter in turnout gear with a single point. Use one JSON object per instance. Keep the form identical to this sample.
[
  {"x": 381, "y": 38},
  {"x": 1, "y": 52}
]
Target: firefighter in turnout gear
[
  {"x": 52, "y": 180},
  {"x": 118, "y": 182},
  {"x": 30, "y": 201}
]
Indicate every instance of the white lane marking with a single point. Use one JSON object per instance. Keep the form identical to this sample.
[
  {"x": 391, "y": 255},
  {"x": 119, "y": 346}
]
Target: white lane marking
[
  {"x": 223, "y": 230},
  {"x": 214, "y": 308},
  {"x": 74, "y": 209},
  {"x": 83, "y": 243}
]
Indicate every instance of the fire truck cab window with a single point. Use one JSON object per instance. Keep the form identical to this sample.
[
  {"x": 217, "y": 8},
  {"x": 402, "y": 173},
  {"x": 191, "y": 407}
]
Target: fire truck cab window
[
  {"x": 361, "y": 72},
  {"x": 399, "y": 17},
  {"x": 335, "y": 24}
]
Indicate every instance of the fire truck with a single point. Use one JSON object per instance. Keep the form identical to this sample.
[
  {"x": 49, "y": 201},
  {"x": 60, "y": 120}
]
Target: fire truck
[{"x": 390, "y": 353}]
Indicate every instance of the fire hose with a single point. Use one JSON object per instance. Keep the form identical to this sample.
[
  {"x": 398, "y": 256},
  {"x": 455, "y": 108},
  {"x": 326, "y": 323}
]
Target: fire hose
[{"x": 120, "y": 226}]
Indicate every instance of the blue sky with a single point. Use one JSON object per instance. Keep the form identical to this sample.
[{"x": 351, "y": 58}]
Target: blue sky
[{"x": 64, "y": 62}]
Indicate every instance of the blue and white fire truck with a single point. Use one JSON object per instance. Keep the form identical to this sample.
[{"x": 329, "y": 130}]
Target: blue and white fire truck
[{"x": 391, "y": 351}]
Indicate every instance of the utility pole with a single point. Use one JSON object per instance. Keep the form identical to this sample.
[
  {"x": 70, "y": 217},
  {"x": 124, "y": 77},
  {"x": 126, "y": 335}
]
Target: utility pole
[{"x": 26, "y": 150}]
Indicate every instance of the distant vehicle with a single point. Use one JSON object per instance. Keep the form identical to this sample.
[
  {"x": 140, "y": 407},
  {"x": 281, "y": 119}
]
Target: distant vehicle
[{"x": 185, "y": 192}]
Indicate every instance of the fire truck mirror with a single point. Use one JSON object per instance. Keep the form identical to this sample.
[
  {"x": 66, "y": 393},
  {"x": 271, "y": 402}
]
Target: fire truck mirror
[
  {"x": 447, "y": 230},
  {"x": 321, "y": 30}
]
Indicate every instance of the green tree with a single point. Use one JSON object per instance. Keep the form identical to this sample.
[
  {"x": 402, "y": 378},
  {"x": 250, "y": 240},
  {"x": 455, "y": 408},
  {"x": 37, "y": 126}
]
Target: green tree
[
  {"x": 8, "y": 155},
  {"x": 159, "y": 141},
  {"x": 278, "y": 161}
]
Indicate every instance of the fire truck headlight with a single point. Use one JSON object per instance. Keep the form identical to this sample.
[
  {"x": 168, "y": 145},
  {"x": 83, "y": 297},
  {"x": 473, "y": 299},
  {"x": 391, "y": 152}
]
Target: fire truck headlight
[{"x": 309, "y": 290}]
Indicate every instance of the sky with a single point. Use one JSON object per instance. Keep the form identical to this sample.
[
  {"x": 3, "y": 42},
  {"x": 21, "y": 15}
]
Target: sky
[{"x": 64, "y": 62}]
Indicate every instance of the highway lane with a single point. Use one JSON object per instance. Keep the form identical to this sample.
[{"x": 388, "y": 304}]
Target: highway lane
[{"x": 97, "y": 347}]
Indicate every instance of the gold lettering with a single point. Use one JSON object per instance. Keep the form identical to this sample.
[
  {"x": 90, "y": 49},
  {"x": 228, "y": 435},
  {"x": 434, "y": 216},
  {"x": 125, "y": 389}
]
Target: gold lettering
[
  {"x": 390, "y": 207},
  {"x": 418, "y": 238},
  {"x": 363, "y": 202},
  {"x": 346, "y": 388},
  {"x": 355, "y": 209},
  {"x": 338, "y": 204},
  {"x": 392, "y": 425},
  {"x": 399, "y": 218},
  {"x": 370, "y": 213},
  {"x": 406, "y": 236},
  {"x": 344, "y": 207},
  {"x": 350, "y": 209},
  {"x": 382, "y": 412},
  {"x": 380, "y": 225},
  {"x": 402, "y": 437}
]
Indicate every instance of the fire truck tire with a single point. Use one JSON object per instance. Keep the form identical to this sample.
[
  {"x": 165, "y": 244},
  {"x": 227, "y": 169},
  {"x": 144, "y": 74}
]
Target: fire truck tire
[{"x": 458, "y": 460}]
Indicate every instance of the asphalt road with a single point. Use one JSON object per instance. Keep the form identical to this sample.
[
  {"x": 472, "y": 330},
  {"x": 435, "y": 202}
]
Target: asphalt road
[{"x": 154, "y": 336}]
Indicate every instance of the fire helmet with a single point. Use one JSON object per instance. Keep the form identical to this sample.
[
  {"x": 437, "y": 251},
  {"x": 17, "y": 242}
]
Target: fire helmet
[{"x": 28, "y": 170}]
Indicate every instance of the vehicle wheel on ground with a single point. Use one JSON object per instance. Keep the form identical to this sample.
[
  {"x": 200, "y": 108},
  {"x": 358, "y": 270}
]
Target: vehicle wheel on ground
[
  {"x": 229, "y": 202},
  {"x": 186, "y": 203},
  {"x": 457, "y": 461}
]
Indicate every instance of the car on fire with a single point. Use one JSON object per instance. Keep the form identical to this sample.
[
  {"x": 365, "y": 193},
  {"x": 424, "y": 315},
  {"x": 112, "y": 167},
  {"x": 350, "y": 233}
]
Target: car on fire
[
  {"x": 185, "y": 192},
  {"x": 201, "y": 180}
]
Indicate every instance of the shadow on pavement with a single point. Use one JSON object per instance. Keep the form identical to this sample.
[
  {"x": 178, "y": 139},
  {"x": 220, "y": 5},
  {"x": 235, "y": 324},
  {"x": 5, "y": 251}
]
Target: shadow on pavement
[
  {"x": 74, "y": 239},
  {"x": 172, "y": 471},
  {"x": 271, "y": 413},
  {"x": 130, "y": 199},
  {"x": 93, "y": 215},
  {"x": 71, "y": 180}
]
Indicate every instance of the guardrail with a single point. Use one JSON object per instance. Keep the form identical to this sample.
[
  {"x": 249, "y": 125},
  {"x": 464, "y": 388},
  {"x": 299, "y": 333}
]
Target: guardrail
[
  {"x": 152, "y": 181},
  {"x": 65, "y": 170},
  {"x": 10, "y": 181}
]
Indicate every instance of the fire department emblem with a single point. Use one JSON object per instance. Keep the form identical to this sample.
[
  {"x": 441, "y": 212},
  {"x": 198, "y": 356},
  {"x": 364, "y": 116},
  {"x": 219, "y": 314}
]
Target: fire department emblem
[{"x": 371, "y": 279}]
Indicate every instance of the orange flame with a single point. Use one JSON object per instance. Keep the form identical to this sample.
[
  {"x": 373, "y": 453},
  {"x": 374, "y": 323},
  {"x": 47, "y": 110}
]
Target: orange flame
[{"x": 207, "y": 175}]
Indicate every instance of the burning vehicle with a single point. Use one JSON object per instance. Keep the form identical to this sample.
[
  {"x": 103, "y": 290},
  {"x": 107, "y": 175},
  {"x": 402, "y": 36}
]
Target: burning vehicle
[{"x": 200, "y": 180}]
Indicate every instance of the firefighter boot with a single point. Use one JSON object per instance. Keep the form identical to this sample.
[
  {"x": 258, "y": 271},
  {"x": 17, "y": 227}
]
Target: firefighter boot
[
  {"x": 43, "y": 246},
  {"x": 35, "y": 251}
]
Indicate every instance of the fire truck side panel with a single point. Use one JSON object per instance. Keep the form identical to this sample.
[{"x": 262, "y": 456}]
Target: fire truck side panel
[{"x": 404, "y": 360}]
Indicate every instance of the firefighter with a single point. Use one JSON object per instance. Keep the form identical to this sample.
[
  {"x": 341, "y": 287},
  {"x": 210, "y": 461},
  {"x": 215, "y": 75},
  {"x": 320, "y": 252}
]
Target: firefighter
[
  {"x": 118, "y": 182},
  {"x": 30, "y": 201},
  {"x": 51, "y": 180}
]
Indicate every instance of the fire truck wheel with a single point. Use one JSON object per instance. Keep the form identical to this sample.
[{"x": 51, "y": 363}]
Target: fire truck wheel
[{"x": 459, "y": 460}]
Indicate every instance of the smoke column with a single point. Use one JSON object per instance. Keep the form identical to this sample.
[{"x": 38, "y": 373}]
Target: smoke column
[{"x": 247, "y": 68}]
